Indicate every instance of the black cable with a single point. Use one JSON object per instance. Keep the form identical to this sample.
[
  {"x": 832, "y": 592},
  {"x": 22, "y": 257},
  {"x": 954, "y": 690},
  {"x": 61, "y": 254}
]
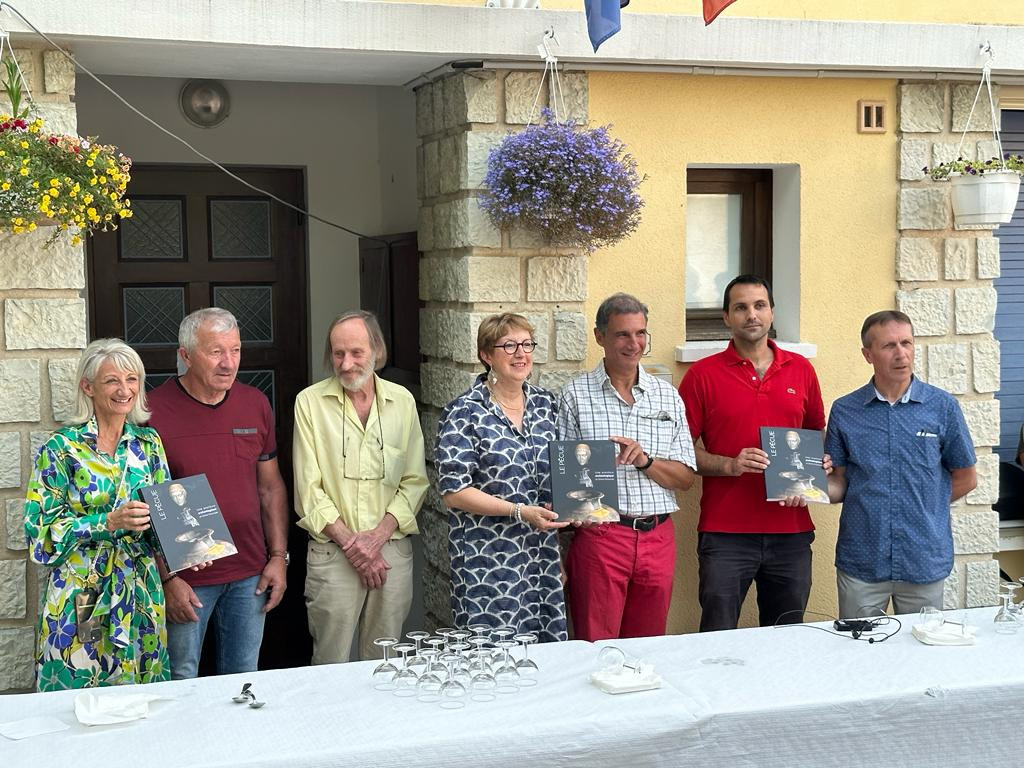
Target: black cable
[
  {"x": 182, "y": 141},
  {"x": 871, "y": 636}
]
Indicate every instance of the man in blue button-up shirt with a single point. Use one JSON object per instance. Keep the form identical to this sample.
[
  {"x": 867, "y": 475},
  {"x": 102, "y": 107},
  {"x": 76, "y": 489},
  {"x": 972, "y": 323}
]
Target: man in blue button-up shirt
[{"x": 901, "y": 453}]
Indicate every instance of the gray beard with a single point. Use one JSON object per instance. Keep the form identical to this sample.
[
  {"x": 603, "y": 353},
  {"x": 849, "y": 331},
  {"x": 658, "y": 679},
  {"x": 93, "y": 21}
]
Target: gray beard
[{"x": 360, "y": 382}]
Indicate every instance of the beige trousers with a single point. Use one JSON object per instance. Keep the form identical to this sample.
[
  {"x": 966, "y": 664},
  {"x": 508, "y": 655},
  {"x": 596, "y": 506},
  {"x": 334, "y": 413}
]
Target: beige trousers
[{"x": 339, "y": 606}]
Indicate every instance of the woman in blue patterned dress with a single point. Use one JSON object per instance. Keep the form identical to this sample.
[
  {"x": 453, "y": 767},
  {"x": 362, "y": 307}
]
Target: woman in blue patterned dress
[
  {"x": 493, "y": 473},
  {"x": 83, "y": 523}
]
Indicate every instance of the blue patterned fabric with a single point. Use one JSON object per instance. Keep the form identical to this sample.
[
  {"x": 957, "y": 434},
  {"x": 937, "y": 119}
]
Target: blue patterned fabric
[
  {"x": 895, "y": 523},
  {"x": 504, "y": 573}
]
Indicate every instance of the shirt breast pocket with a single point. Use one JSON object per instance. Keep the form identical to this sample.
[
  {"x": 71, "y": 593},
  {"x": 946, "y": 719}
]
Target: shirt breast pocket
[
  {"x": 927, "y": 450},
  {"x": 394, "y": 466},
  {"x": 657, "y": 429},
  {"x": 247, "y": 443}
]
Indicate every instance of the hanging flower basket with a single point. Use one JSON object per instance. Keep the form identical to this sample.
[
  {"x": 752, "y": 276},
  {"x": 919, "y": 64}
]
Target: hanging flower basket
[
  {"x": 984, "y": 194},
  {"x": 576, "y": 186},
  {"x": 987, "y": 199},
  {"x": 47, "y": 179}
]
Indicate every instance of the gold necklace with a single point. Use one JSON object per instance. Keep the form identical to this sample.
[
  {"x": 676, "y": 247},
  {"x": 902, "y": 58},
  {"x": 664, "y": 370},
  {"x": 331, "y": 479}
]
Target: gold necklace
[{"x": 494, "y": 397}]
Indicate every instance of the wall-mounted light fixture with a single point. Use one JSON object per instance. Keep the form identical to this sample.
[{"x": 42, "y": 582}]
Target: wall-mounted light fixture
[{"x": 205, "y": 103}]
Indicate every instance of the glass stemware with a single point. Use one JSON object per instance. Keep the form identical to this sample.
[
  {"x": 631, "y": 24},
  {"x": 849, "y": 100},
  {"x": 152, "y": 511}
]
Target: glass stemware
[
  {"x": 1006, "y": 622},
  {"x": 506, "y": 676},
  {"x": 417, "y": 663},
  {"x": 526, "y": 666},
  {"x": 428, "y": 687},
  {"x": 930, "y": 619},
  {"x": 406, "y": 678},
  {"x": 452, "y": 692},
  {"x": 384, "y": 673}
]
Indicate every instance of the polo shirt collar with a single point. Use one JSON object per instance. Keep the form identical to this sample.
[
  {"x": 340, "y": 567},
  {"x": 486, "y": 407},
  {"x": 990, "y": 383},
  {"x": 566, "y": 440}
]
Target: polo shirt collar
[{"x": 779, "y": 356}]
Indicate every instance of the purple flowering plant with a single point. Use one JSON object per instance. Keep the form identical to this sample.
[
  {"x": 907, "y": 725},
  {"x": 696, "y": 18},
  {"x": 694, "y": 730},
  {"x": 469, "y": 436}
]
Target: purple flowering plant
[
  {"x": 575, "y": 185},
  {"x": 961, "y": 167}
]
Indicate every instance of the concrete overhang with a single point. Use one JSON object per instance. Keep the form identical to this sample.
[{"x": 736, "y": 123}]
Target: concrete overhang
[{"x": 377, "y": 43}]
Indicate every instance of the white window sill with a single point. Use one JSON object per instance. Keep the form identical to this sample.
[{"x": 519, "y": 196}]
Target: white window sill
[{"x": 692, "y": 351}]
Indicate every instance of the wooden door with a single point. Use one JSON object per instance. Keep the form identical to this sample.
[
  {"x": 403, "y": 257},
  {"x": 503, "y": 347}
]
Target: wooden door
[{"x": 199, "y": 238}]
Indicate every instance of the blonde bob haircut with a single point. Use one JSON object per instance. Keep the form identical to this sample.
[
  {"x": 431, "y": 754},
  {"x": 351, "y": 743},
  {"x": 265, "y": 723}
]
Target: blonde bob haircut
[
  {"x": 125, "y": 359},
  {"x": 493, "y": 328}
]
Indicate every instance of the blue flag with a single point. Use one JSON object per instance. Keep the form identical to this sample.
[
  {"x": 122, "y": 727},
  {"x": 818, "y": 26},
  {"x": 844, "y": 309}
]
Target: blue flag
[{"x": 603, "y": 19}]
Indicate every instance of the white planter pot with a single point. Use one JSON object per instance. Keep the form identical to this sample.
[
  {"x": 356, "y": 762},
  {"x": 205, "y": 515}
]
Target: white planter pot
[{"x": 988, "y": 198}]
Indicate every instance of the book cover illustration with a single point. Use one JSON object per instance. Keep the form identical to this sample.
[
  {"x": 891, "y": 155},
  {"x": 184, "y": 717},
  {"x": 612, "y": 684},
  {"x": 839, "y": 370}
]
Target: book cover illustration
[
  {"x": 187, "y": 520},
  {"x": 583, "y": 483},
  {"x": 795, "y": 468}
]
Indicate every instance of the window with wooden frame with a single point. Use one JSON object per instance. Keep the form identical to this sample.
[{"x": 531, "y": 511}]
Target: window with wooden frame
[{"x": 728, "y": 233}]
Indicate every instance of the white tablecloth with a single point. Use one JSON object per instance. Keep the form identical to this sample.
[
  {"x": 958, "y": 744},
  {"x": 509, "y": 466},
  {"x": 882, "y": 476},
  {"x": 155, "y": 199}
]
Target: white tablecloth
[{"x": 786, "y": 696}]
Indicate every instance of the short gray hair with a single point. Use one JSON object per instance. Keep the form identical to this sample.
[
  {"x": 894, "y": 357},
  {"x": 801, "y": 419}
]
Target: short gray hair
[
  {"x": 618, "y": 304},
  {"x": 380, "y": 350},
  {"x": 216, "y": 319},
  {"x": 884, "y": 317},
  {"x": 124, "y": 358}
]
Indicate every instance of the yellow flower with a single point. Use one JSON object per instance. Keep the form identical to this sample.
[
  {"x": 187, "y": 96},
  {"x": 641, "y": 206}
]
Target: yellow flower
[
  {"x": 76, "y": 240},
  {"x": 103, "y": 179},
  {"x": 23, "y": 171},
  {"x": 35, "y": 185},
  {"x": 91, "y": 212},
  {"x": 92, "y": 181},
  {"x": 2, "y": 153},
  {"x": 32, "y": 226},
  {"x": 18, "y": 230},
  {"x": 18, "y": 220},
  {"x": 124, "y": 213},
  {"x": 23, "y": 144},
  {"x": 54, "y": 183},
  {"x": 5, "y": 186},
  {"x": 89, "y": 163}
]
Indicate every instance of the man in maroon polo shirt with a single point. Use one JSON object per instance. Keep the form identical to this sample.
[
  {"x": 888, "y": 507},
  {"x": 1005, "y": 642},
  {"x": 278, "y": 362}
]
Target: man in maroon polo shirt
[
  {"x": 729, "y": 397},
  {"x": 211, "y": 423}
]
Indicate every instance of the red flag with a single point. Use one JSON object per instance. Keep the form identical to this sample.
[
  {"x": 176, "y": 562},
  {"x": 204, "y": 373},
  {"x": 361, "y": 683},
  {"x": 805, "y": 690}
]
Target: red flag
[{"x": 714, "y": 7}]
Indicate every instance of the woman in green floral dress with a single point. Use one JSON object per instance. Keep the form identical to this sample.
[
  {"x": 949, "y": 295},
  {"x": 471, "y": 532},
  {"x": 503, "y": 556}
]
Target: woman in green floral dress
[{"x": 84, "y": 524}]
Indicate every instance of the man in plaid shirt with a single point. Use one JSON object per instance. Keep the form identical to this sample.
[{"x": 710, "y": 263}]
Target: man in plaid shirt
[{"x": 620, "y": 575}]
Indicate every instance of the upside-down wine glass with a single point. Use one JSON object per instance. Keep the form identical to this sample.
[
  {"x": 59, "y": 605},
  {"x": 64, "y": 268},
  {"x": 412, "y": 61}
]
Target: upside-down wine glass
[
  {"x": 384, "y": 673},
  {"x": 526, "y": 666},
  {"x": 405, "y": 678}
]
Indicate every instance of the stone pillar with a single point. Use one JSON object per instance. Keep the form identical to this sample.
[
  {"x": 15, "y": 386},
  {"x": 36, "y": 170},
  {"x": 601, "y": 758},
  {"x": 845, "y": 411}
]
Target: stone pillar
[
  {"x": 471, "y": 270},
  {"x": 945, "y": 276},
  {"x": 44, "y": 327}
]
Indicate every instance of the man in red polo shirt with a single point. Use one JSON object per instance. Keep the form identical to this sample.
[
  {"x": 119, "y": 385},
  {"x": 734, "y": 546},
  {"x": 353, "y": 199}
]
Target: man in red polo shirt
[{"x": 729, "y": 397}]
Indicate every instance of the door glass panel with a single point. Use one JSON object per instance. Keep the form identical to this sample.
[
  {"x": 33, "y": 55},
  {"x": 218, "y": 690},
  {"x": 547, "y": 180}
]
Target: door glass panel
[
  {"x": 252, "y": 306},
  {"x": 154, "y": 232},
  {"x": 154, "y": 380},
  {"x": 712, "y": 247},
  {"x": 152, "y": 315},
  {"x": 240, "y": 229},
  {"x": 262, "y": 379}
]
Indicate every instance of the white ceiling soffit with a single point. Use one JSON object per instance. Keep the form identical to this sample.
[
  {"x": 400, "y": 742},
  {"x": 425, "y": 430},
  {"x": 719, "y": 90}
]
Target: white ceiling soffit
[{"x": 365, "y": 42}]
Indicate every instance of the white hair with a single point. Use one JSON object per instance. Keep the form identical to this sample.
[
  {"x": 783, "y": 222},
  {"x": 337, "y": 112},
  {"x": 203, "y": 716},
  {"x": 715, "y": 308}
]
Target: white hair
[
  {"x": 125, "y": 359},
  {"x": 215, "y": 319}
]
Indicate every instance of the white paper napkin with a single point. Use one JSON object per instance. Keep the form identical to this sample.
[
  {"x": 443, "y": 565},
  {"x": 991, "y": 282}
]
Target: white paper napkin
[
  {"x": 32, "y": 726},
  {"x": 626, "y": 680},
  {"x": 947, "y": 634},
  {"x": 93, "y": 708}
]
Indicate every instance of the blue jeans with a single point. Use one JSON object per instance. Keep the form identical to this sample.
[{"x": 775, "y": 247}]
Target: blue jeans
[{"x": 237, "y": 613}]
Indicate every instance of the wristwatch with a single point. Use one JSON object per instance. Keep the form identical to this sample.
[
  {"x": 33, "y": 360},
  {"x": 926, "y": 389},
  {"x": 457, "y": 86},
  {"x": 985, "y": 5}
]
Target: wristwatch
[
  {"x": 650, "y": 460},
  {"x": 282, "y": 553}
]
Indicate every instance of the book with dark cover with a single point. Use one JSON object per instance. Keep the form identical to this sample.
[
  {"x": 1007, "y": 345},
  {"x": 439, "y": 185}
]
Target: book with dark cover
[
  {"x": 795, "y": 468},
  {"x": 187, "y": 520},
  {"x": 583, "y": 483}
]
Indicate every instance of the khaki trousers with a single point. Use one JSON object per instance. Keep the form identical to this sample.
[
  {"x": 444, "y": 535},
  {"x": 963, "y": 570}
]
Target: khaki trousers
[{"x": 339, "y": 605}]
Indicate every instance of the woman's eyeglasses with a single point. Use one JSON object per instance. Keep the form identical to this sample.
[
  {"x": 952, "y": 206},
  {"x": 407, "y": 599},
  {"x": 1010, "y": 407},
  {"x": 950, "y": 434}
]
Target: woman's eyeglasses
[{"x": 510, "y": 347}]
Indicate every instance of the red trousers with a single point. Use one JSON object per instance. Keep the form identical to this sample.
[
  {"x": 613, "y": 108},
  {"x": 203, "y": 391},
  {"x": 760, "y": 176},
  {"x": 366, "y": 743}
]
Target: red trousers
[{"x": 620, "y": 580}]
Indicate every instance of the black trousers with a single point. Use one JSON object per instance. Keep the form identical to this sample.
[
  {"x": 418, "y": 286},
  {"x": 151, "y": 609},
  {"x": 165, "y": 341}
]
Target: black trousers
[{"x": 779, "y": 563}]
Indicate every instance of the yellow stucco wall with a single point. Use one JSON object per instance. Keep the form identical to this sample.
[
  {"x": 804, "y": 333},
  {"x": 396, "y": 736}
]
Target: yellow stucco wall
[
  {"x": 941, "y": 11},
  {"x": 848, "y": 191}
]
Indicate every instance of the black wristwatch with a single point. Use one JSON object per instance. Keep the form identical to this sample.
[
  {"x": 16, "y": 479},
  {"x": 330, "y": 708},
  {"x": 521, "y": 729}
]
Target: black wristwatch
[
  {"x": 282, "y": 553},
  {"x": 650, "y": 460}
]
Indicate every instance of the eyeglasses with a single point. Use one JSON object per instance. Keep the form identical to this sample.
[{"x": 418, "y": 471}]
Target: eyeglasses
[{"x": 510, "y": 347}]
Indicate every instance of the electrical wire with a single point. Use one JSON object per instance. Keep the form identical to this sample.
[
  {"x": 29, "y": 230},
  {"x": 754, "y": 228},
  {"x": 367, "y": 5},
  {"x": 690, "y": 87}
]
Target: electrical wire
[
  {"x": 155, "y": 124},
  {"x": 873, "y": 635}
]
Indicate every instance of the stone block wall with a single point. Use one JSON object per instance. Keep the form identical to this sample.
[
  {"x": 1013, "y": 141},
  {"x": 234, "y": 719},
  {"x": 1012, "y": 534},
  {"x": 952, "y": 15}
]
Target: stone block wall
[
  {"x": 471, "y": 270},
  {"x": 945, "y": 276},
  {"x": 42, "y": 328}
]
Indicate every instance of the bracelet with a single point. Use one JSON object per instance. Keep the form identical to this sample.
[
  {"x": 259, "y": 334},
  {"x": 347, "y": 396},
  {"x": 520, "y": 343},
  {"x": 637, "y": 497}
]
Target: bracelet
[
  {"x": 517, "y": 513},
  {"x": 650, "y": 460},
  {"x": 169, "y": 578}
]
